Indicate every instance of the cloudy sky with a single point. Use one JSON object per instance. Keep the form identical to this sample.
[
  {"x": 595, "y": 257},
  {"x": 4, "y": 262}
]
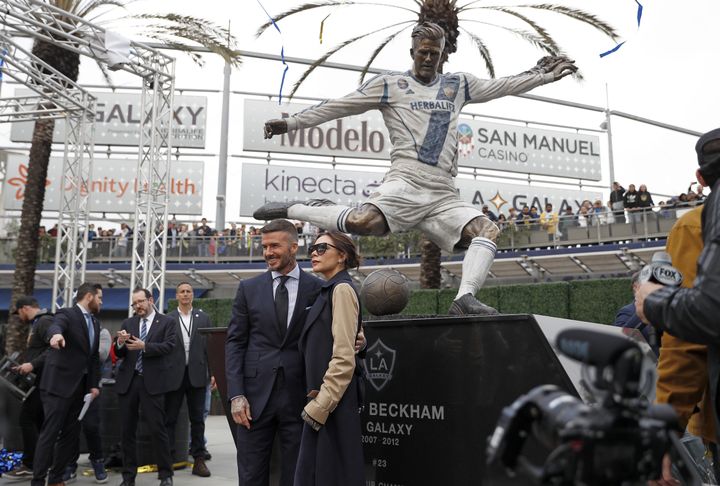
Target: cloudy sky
[{"x": 665, "y": 72}]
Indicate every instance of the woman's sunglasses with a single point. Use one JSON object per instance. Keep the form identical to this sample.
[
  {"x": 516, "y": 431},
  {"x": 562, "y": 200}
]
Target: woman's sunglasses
[{"x": 320, "y": 248}]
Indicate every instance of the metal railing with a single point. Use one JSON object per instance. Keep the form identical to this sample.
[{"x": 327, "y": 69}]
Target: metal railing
[{"x": 604, "y": 228}]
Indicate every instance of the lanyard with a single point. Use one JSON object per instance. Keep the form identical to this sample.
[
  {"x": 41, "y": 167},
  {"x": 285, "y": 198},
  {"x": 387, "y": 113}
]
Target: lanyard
[{"x": 182, "y": 323}]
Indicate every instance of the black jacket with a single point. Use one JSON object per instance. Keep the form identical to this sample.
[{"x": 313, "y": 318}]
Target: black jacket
[
  {"x": 631, "y": 199},
  {"x": 693, "y": 314},
  {"x": 197, "y": 362},
  {"x": 157, "y": 359},
  {"x": 255, "y": 350},
  {"x": 65, "y": 367},
  {"x": 37, "y": 345}
]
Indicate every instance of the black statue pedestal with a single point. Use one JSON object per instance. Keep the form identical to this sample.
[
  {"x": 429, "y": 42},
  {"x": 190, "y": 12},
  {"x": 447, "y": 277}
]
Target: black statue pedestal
[{"x": 436, "y": 387}]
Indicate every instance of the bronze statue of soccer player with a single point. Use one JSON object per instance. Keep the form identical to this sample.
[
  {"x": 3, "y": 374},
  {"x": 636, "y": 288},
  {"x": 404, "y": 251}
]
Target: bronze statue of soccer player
[{"x": 420, "y": 108}]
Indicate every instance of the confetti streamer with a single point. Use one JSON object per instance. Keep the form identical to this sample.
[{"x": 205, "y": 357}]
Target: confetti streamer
[
  {"x": 322, "y": 25},
  {"x": 322, "y": 22},
  {"x": 2, "y": 62},
  {"x": 639, "y": 19},
  {"x": 8, "y": 460},
  {"x": 282, "y": 52}
]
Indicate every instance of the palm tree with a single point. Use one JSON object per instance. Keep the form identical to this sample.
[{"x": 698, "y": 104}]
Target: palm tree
[
  {"x": 454, "y": 19},
  {"x": 177, "y": 31}
]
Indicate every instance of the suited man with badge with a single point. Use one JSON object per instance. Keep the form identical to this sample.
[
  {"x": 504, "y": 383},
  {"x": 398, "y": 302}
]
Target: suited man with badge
[
  {"x": 145, "y": 342},
  {"x": 71, "y": 370},
  {"x": 264, "y": 368},
  {"x": 189, "y": 375}
]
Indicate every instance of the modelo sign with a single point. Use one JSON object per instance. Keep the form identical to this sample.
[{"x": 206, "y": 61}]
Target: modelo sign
[
  {"x": 362, "y": 136},
  {"x": 113, "y": 186},
  {"x": 118, "y": 118},
  {"x": 263, "y": 183}
]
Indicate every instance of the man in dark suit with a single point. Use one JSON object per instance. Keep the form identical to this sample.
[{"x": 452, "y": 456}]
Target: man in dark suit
[
  {"x": 189, "y": 375},
  {"x": 71, "y": 370},
  {"x": 145, "y": 342},
  {"x": 264, "y": 368}
]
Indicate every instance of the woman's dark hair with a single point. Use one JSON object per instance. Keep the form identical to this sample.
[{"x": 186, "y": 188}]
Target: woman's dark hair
[{"x": 345, "y": 245}]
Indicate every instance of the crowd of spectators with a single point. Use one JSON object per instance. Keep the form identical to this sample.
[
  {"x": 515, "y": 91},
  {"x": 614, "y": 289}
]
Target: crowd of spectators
[
  {"x": 199, "y": 239},
  {"x": 196, "y": 239},
  {"x": 624, "y": 206}
]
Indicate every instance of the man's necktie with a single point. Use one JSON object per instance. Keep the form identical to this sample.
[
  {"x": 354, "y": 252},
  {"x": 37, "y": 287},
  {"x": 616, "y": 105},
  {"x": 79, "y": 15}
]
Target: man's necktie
[
  {"x": 281, "y": 304},
  {"x": 90, "y": 328},
  {"x": 143, "y": 335}
]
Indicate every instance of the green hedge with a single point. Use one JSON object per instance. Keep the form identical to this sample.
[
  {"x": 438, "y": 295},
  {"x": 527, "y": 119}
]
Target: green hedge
[
  {"x": 598, "y": 300},
  {"x": 219, "y": 310},
  {"x": 582, "y": 300}
]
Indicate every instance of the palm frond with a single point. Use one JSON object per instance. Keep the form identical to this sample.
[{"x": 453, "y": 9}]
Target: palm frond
[
  {"x": 525, "y": 35},
  {"x": 579, "y": 15},
  {"x": 464, "y": 7},
  {"x": 541, "y": 31},
  {"x": 329, "y": 3},
  {"x": 171, "y": 27},
  {"x": 377, "y": 51},
  {"x": 84, "y": 9},
  {"x": 185, "y": 48},
  {"x": 335, "y": 49},
  {"x": 484, "y": 52}
]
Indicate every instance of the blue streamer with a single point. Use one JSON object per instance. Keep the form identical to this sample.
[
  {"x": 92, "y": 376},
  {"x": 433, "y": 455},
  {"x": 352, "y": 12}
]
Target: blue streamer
[
  {"x": 612, "y": 50},
  {"x": 282, "y": 53},
  {"x": 2, "y": 61},
  {"x": 639, "y": 12},
  {"x": 639, "y": 19}
]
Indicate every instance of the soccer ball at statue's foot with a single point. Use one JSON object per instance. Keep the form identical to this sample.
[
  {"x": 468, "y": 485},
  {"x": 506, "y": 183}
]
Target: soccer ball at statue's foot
[{"x": 385, "y": 291}]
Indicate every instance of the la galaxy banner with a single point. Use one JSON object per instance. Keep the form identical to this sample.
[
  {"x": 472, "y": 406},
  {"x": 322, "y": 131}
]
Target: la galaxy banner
[
  {"x": 113, "y": 187},
  {"x": 263, "y": 183},
  {"x": 481, "y": 144},
  {"x": 118, "y": 117}
]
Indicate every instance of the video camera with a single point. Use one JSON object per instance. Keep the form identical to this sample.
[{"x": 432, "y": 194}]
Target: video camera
[
  {"x": 622, "y": 441},
  {"x": 20, "y": 386}
]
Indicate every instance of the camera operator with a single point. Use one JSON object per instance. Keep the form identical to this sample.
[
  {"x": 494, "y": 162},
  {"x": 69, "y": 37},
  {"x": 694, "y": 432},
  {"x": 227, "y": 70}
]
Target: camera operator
[
  {"x": 32, "y": 361},
  {"x": 691, "y": 314}
]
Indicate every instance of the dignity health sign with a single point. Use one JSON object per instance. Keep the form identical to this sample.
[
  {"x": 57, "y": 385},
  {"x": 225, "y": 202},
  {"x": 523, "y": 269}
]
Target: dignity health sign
[
  {"x": 262, "y": 183},
  {"x": 481, "y": 144},
  {"x": 118, "y": 117},
  {"x": 113, "y": 187}
]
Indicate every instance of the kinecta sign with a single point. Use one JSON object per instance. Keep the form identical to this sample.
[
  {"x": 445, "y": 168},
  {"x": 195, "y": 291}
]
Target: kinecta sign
[
  {"x": 481, "y": 144},
  {"x": 112, "y": 188},
  {"x": 262, "y": 183},
  {"x": 118, "y": 118}
]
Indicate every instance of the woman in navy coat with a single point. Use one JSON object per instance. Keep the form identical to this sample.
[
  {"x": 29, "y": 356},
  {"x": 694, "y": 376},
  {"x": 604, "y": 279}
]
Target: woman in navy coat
[{"x": 331, "y": 449}]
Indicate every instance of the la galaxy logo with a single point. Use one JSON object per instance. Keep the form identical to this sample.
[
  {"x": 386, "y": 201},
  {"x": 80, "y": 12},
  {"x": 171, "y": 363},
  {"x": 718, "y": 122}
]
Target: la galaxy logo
[
  {"x": 465, "y": 139},
  {"x": 379, "y": 363},
  {"x": 449, "y": 92},
  {"x": 402, "y": 83}
]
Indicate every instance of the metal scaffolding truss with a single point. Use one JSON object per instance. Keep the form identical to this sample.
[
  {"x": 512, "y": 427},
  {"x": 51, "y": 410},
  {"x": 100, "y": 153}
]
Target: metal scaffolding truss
[
  {"x": 42, "y": 21},
  {"x": 57, "y": 97}
]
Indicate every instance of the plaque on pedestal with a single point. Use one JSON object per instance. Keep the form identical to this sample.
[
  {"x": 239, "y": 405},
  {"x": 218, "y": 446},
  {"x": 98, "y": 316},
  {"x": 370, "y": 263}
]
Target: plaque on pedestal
[{"x": 436, "y": 387}]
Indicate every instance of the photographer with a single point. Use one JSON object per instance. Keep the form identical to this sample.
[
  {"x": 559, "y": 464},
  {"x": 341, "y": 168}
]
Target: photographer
[
  {"x": 691, "y": 313},
  {"x": 32, "y": 361}
]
